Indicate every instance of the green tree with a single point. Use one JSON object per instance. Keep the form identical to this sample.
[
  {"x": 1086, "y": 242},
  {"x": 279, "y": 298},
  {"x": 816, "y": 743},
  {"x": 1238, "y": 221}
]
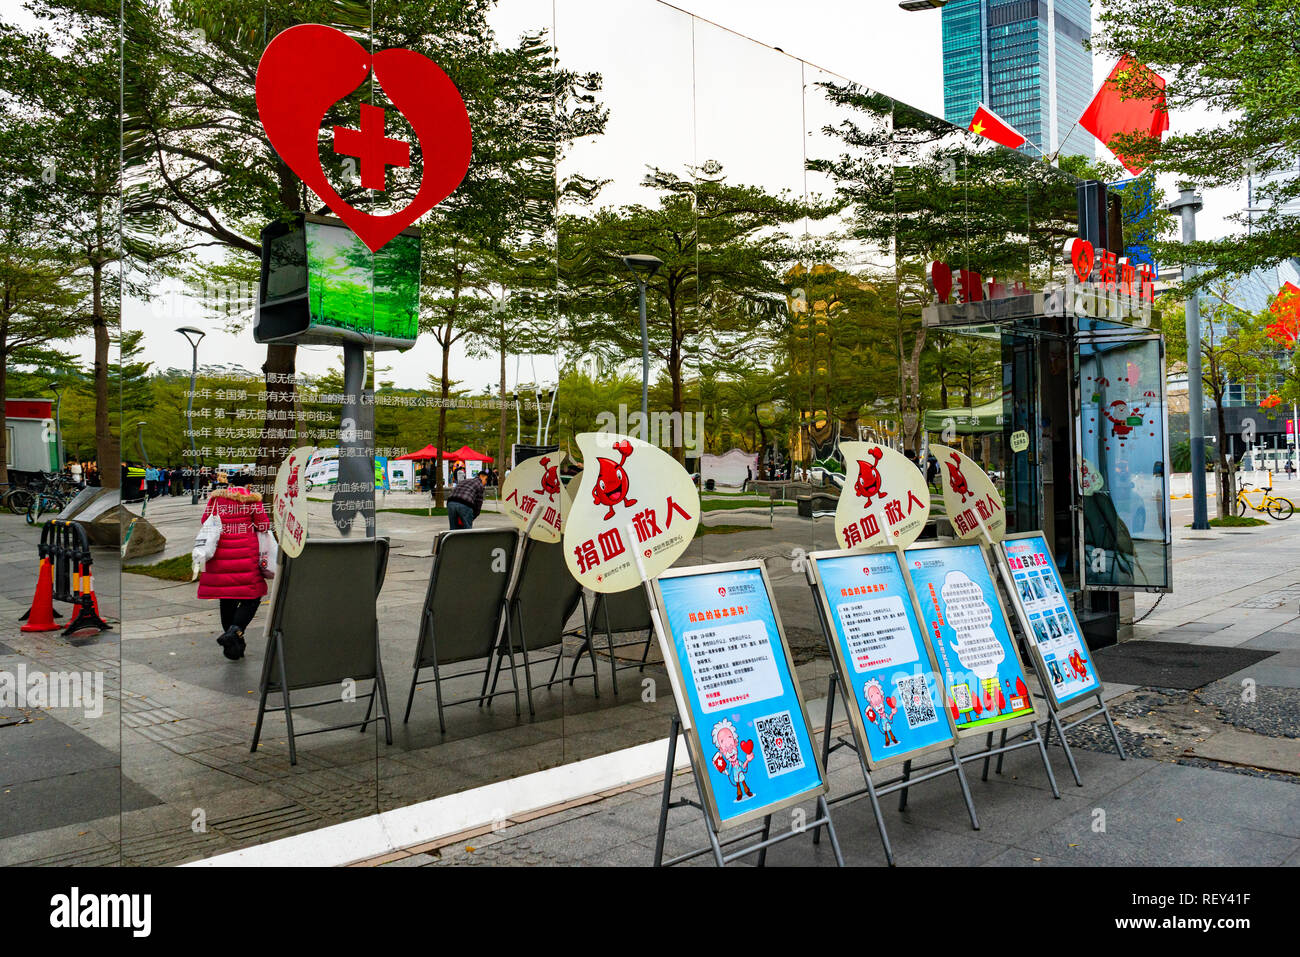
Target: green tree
[
  {"x": 1240, "y": 62},
  {"x": 719, "y": 298},
  {"x": 1235, "y": 348},
  {"x": 65, "y": 72}
]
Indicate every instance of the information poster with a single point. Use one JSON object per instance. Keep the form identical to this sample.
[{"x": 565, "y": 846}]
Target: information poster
[
  {"x": 891, "y": 681},
  {"x": 749, "y": 731},
  {"x": 1048, "y": 619},
  {"x": 984, "y": 681}
]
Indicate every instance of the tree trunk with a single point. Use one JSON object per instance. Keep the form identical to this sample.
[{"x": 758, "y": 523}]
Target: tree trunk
[
  {"x": 4, "y": 390},
  {"x": 108, "y": 446}
]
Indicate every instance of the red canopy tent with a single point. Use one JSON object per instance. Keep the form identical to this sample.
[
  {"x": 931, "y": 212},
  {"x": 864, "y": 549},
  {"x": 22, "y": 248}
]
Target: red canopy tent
[
  {"x": 428, "y": 452},
  {"x": 466, "y": 454}
]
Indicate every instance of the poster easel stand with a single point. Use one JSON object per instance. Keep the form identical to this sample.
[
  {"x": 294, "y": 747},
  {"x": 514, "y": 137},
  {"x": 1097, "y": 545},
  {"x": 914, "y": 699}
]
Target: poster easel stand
[
  {"x": 876, "y": 790},
  {"x": 1055, "y": 715},
  {"x": 716, "y": 843}
]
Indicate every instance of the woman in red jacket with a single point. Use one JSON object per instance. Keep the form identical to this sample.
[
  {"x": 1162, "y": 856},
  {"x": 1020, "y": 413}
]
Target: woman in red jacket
[{"x": 234, "y": 573}]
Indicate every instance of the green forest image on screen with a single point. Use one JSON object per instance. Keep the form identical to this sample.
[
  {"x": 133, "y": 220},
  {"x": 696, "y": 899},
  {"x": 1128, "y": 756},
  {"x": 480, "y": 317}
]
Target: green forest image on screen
[{"x": 340, "y": 274}]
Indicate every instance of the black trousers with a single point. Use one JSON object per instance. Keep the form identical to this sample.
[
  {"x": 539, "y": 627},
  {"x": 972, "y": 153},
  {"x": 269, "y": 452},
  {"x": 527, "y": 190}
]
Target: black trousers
[{"x": 238, "y": 612}]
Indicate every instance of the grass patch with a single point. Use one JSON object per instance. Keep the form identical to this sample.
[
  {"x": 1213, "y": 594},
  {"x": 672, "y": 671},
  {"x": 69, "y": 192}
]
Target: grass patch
[
  {"x": 1235, "y": 521},
  {"x": 728, "y": 529},
  {"x": 176, "y": 569}
]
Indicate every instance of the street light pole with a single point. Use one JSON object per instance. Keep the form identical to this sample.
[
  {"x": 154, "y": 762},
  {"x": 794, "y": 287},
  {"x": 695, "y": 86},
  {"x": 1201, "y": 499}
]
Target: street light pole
[
  {"x": 197, "y": 334},
  {"x": 647, "y": 265},
  {"x": 1187, "y": 205}
]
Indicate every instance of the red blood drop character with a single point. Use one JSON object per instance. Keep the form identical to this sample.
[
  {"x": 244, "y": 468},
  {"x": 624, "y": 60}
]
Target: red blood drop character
[
  {"x": 611, "y": 482},
  {"x": 868, "y": 483}
]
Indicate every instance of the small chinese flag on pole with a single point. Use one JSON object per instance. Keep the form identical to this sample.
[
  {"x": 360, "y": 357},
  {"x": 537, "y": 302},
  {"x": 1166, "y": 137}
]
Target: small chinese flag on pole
[
  {"x": 1131, "y": 102},
  {"x": 989, "y": 125}
]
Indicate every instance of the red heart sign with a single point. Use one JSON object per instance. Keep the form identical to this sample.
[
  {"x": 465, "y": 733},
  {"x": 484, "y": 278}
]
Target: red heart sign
[
  {"x": 748, "y": 746},
  {"x": 1081, "y": 257},
  {"x": 308, "y": 68}
]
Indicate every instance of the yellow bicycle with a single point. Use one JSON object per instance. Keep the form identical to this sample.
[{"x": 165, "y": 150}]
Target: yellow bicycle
[{"x": 1276, "y": 506}]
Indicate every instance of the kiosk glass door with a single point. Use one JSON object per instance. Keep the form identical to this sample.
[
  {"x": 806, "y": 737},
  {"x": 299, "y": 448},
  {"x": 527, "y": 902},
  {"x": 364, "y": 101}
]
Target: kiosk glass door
[{"x": 1123, "y": 450}]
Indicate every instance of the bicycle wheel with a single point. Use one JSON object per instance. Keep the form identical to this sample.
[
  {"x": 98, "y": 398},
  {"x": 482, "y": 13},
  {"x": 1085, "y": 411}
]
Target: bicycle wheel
[
  {"x": 19, "y": 500},
  {"x": 1239, "y": 506},
  {"x": 34, "y": 510},
  {"x": 1280, "y": 508}
]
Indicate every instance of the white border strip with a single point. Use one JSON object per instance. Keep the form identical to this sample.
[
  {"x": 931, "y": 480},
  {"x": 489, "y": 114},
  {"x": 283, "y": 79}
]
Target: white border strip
[{"x": 403, "y": 827}]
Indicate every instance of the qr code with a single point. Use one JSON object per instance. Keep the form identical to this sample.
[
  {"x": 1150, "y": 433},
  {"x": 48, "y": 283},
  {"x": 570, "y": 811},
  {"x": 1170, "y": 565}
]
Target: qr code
[
  {"x": 961, "y": 696},
  {"x": 918, "y": 702},
  {"x": 777, "y": 741}
]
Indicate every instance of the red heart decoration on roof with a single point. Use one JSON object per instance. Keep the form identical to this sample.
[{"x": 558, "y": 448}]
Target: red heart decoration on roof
[{"x": 308, "y": 68}]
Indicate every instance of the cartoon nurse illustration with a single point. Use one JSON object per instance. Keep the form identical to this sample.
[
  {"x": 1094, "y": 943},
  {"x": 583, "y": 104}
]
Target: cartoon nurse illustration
[
  {"x": 729, "y": 760},
  {"x": 876, "y": 710}
]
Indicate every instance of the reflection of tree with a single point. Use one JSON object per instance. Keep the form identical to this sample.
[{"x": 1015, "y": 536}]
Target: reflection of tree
[
  {"x": 497, "y": 232},
  {"x": 914, "y": 183},
  {"x": 717, "y": 300}
]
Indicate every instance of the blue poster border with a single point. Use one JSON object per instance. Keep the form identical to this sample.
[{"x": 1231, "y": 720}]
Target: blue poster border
[
  {"x": 690, "y": 728},
  {"x": 848, "y": 687}
]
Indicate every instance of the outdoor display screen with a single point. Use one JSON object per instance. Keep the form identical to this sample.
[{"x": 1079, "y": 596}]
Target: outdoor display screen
[
  {"x": 321, "y": 285},
  {"x": 351, "y": 288}
]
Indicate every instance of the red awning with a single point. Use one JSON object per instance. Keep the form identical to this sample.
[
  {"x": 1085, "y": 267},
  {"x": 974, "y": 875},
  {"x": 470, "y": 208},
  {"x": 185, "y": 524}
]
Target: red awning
[
  {"x": 466, "y": 454},
  {"x": 428, "y": 452}
]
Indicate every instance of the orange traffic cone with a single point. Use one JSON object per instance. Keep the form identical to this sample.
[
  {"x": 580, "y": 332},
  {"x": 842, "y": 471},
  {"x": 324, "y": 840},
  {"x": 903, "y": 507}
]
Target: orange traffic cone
[{"x": 41, "y": 614}]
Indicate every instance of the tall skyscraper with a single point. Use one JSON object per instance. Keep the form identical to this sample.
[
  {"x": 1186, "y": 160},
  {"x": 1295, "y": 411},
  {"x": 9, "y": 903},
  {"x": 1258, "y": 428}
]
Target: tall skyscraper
[{"x": 1025, "y": 60}]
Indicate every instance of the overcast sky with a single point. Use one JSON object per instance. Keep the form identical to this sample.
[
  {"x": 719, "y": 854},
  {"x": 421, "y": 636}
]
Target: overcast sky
[{"x": 746, "y": 110}]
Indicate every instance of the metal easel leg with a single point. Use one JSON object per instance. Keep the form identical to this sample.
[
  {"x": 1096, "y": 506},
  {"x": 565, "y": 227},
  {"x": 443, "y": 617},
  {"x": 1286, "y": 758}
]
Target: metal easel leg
[
  {"x": 965, "y": 789},
  {"x": 902, "y": 795},
  {"x": 875, "y": 809},
  {"x": 825, "y": 811},
  {"x": 668, "y": 791},
  {"x": 988, "y": 746},
  {"x": 1065, "y": 746},
  {"x": 1114, "y": 735},
  {"x": 1002, "y": 741},
  {"x": 288, "y": 709},
  {"x": 1047, "y": 765},
  {"x": 767, "y": 830},
  {"x": 826, "y": 741}
]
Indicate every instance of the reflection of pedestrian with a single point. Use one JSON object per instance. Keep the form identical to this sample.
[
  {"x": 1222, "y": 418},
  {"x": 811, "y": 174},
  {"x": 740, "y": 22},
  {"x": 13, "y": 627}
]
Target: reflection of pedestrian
[
  {"x": 466, "y": 501},
  {"x": 234, "y": 575}
]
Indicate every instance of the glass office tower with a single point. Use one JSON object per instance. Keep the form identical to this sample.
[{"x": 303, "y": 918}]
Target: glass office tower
[{"x": 1026, "y": 60}]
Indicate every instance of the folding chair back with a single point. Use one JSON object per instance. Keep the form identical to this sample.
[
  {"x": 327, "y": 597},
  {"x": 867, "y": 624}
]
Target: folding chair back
[
  {"x": 462, "y": 605},
  {"x": 324, "y": 612},
  {"x": 545, "y": 597}
]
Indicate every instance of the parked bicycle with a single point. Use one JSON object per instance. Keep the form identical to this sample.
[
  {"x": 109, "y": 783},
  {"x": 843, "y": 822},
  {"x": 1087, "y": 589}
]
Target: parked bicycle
[{"x": 1275, "y": 505}]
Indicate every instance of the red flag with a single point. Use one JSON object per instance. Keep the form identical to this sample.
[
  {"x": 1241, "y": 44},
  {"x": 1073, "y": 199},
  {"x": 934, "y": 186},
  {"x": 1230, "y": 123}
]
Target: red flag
[
  {"x": 1111, "y": 113},
  {"x": 989, "y": 125}
]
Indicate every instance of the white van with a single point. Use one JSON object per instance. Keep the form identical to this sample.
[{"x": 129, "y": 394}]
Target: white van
[{"x": 322, "y": 469}]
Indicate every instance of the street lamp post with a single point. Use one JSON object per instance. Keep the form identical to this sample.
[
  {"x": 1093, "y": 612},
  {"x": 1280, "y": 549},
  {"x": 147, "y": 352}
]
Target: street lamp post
[
  {"x": 58, "y": 424},
  {"x": 193, "y": 337},
  {"x": 647, "y": 266},
  {"x": 1187, "y": 205}
]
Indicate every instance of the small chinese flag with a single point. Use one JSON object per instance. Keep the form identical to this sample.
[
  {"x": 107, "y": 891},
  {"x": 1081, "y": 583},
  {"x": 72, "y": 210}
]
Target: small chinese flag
[
  {"x": 989, "y": 125},
  {"x": 1113, "y": 113}
]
